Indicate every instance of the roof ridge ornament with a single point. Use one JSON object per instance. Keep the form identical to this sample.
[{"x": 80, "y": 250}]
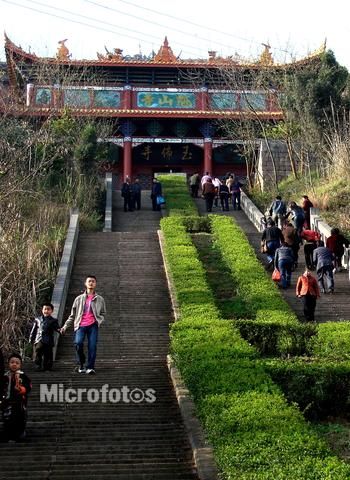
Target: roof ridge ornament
[
  {"x": 165, "y": 53},
  {"x": 266, "y": 57},
  {"x": 62, "y": 51}
]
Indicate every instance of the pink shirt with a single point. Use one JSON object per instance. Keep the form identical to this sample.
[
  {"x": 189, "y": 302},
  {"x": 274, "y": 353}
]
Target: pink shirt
[{"x": 88, "y": 317}]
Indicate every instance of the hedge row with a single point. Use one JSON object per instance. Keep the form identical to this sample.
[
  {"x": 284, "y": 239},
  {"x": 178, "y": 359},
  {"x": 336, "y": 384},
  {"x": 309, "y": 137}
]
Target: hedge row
[
  {"x": 256, "y": 435},
  {"x": 273, "y": 327},
  {"x": 320, "y": 387},
  {"x": 178, "y": 200}
]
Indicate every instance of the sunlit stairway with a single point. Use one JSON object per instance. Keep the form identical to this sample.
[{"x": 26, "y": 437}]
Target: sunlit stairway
[{"x": 119, "y": 441}]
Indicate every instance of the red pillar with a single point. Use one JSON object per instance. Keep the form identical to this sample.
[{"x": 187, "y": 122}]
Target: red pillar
[
  {"x": 127, "y": 158},
  {"x": 208, "y": 155},
  {"x": 127, "y": 98},
  {"x": 204, "y": 99}
]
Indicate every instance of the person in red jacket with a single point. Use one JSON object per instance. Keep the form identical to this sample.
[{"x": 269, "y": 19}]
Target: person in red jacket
[
  {"x": 336, "y": 243},
  {"x": 308, "y": 290},
  {"x": 306, "y": 205}
]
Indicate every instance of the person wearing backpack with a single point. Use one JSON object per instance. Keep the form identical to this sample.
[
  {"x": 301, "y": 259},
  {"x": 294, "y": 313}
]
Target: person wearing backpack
[
  {"x": 296, "y": 215},
  {"x": 277, "y": 210}
]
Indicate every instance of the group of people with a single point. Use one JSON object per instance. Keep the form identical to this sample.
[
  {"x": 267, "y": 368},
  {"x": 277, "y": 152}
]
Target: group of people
[
  {"x": 131, "y": 193},
  {"x": 213, "y": 189},
  {"x": 285, "y": 229},
  {"x": 87, "y": 314}
]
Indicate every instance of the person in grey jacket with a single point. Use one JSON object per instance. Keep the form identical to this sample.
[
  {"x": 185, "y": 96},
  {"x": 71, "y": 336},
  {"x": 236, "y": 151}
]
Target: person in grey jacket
[
  {"x": 87, "y": 314},
  {"x": 323, "y": 258},
  {"x": 284, "y": 259}
]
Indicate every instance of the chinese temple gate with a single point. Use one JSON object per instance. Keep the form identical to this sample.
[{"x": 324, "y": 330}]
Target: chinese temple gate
[{"x": 165, "y": 120}]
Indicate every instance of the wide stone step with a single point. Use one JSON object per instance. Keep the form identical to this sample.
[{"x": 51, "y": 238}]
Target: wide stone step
[{"x": 119, "y": 441}]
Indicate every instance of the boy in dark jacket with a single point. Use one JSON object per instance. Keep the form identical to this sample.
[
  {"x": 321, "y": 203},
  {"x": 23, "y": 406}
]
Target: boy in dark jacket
[
  {"x": 42, "y": 336},
  {"x": 16, "y": 387}
]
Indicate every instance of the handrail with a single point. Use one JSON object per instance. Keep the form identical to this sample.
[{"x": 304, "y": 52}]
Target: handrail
[
  {"x": 252, "y": 212},
  {"x": 60, "y": 291},
  {"x": 108, "y": 209}
]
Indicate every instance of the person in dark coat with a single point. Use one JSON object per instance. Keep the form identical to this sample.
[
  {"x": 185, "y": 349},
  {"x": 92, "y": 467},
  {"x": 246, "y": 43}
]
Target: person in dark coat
[
  {"x": 137, "y": 193},
  {"x": 208, "y": 191},
  {"x": 284, "y": 259},
  {"x": 155, "y": 192},
  {"x": 128, "y": 195},
  {"x": 296, "y": 215},
  {"x": 306, "y": 206},
  {"x": 272, "y": 237},
  {"x": 42, "y": 336},
  {"x": 224, "y": 195},
  {"x": 323, "y": 258},
  {"x": 16, "y": 387},
  {"x": 236, "y": 194}
]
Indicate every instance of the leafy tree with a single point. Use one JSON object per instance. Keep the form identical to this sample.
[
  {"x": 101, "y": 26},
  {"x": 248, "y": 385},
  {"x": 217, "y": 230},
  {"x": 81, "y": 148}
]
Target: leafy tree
[
  {"x": 85, "y": 151},
  {"x": 312, "y": 95}
]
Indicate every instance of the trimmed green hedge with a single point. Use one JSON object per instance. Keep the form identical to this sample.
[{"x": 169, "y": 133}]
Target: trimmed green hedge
[
  {"x": 273, "y": 328},
  {"x": 320, "y": 388},
  {"x": 178, "y": 200},
  {"x": 256, "y": 435},
  {"x": 332, "y": 341}
]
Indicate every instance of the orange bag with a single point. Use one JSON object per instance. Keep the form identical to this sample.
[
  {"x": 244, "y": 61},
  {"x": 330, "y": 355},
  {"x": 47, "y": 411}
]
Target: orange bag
[{"x": 276, "y": 275}]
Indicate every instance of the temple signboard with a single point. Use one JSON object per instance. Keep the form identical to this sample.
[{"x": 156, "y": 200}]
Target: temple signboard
[{"x": 166, "y": 100}]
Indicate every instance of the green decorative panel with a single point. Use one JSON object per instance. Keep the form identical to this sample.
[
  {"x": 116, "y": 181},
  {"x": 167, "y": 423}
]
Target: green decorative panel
[
  {"x": 224, "y": 101},
  {"x": 154, "y": 128},
  {"x": 181, "y": 128},
  {"x": 253, "y": 101},
  {"x": 43, "y": 96},
  {"x": 166, "y": 100},
  {"x": 76, "y": 98},
  {"x": 106, "y": 99}
]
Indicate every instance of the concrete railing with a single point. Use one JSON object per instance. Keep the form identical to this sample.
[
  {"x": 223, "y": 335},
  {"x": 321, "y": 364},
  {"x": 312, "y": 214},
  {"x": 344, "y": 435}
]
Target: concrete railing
[
  {"x": 108, "y": 210},
  {"x": 252, "y": 212},
  {"x": 60, "y": 291}
]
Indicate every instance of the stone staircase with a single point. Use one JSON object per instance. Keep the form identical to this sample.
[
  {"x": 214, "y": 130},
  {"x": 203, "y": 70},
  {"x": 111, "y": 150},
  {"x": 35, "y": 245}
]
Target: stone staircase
[{"x": 120, "y": 440}]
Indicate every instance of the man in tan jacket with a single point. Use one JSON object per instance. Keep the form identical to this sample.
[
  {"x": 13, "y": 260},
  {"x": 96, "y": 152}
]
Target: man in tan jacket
[{"x": 87, "y": 314}]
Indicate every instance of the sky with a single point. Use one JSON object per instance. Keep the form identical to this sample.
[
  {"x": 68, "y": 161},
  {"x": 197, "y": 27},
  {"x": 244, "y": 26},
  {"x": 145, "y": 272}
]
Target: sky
[{"x": 292, "y": 29}]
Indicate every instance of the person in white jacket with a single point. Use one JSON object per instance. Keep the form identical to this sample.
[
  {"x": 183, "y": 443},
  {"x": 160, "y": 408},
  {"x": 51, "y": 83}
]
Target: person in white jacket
[{"x": 87, "y": 314}]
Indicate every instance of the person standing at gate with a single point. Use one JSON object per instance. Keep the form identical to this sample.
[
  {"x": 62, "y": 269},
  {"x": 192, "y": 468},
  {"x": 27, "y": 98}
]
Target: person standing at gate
[
  {"x": 87, "y": 314},
  {"x": 156, "y": 192},
  {"x": 127, "y": 194},
  {"x": 137, "y": 193}
]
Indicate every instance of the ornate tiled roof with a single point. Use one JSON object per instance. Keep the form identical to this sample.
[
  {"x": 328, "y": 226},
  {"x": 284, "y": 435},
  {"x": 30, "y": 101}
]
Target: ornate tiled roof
[{"x": 164, "y": 57}]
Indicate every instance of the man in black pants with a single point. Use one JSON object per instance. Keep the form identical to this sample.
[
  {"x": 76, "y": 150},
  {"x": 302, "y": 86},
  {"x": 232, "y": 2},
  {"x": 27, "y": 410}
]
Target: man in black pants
[
  {"x": 137, "y": 193},
  {"x": 42, "y": 336}
]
